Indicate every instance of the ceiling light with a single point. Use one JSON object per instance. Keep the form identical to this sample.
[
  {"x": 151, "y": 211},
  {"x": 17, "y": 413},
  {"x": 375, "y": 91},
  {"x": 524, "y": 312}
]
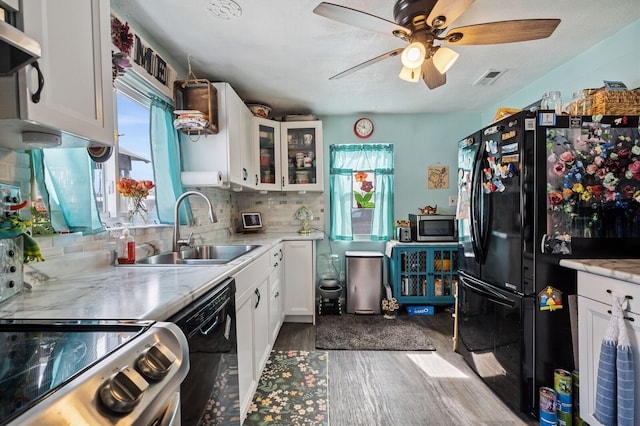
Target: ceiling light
[
  {"x": 413, "y": 55},
  {"x": 444, "y": 58},
  {"x": 411, "y": 75}
]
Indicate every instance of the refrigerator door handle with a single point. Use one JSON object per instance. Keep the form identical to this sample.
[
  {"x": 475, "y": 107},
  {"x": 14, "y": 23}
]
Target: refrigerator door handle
[
  {"x": 475, "y": 194},
  {"x": 486, "y": 291}
]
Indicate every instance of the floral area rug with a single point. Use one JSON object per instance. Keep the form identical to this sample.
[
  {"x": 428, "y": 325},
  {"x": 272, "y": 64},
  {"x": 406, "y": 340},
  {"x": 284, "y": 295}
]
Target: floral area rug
[{"x": 292, "y": 390}]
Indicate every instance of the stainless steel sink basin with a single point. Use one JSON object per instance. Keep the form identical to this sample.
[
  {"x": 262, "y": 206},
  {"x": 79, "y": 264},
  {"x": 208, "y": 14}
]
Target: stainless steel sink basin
[{"x": 198, "y": 255}]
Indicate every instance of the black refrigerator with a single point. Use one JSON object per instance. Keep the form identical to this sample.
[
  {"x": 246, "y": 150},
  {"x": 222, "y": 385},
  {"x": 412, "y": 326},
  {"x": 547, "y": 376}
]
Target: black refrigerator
[{"x": 535, "y": 188}]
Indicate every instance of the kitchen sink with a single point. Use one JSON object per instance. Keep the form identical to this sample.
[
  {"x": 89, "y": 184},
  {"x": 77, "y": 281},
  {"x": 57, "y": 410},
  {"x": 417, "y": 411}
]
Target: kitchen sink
[{"x": 198, "y": 255}]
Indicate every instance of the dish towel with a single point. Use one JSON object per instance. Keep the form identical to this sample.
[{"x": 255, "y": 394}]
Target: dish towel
[{"x": 615, "y": 382}]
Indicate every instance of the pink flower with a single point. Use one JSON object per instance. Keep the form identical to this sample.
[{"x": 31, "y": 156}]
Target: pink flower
[
  {"x": 567, "y": 157},
  {"x": 591, "y": 169},
  {"x": 559, "y": 168},
  {"x": 635, "y": 169}
]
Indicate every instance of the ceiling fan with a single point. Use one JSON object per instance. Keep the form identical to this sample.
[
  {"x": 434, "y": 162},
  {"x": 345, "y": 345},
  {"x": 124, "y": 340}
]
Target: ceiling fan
[{"x": 423, "y": 24}]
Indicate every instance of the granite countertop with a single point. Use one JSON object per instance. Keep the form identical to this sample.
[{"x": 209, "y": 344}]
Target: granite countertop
[
  {"x": 620, "y": 269},
  {"x": 133, "y": 292}
]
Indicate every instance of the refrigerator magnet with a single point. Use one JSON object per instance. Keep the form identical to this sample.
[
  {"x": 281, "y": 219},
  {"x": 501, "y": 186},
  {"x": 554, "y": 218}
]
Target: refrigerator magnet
[
  {"x": 550, "y": 299},
  {"x": 547, "y": 119}
]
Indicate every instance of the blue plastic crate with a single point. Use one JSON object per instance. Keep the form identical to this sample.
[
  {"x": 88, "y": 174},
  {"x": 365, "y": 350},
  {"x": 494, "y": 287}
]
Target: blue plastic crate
[{"x": 420, "y": 310}]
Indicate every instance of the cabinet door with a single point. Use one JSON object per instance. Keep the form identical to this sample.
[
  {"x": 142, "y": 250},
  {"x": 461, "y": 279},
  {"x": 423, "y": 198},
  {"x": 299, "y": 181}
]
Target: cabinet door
[
  {"x": 266, "y": 155},
  {"x": 443, "y": 276},
  {"x": 244, "y": 329},
  {"x": 275, "y": 292},
  {"x": 77, "y": 96},
  {"x": 240, "y": 125},
  {"x": 424, "y": 274},
  {"x": 301, "y": 143},
  {"x": 593, "y": 321},
  {"x": 299, "y": 281},
  {"x": 261, "y": 335}
]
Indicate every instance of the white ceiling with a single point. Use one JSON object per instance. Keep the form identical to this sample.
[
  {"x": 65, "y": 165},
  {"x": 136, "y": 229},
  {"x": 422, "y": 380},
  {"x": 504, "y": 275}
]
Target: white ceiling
[{"x": 280, "y": 53}]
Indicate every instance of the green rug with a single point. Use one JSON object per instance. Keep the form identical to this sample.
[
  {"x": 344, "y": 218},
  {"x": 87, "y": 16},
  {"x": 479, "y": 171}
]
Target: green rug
[{"x": 293, "y": 390}]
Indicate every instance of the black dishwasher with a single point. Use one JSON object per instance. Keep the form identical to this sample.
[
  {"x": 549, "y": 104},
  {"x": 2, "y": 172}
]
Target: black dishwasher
[{"x": 210, "y": 392}]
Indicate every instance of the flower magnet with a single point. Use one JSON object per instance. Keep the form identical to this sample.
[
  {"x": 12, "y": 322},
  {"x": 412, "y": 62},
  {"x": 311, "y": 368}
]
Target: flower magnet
[{"x": 550, "y": 299}]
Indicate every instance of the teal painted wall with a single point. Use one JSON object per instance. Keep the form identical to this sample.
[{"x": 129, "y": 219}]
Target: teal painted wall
[
  {"x": 615, "y": 58},
  {"x": 419, "y": 140}
]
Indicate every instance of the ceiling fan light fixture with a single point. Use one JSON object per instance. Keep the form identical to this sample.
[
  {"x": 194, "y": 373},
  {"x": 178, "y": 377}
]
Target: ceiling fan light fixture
[
  {"x": 413, "y": 55},
  {"x": 444, "y": 58},
  {"x": 412, "y": 75}
]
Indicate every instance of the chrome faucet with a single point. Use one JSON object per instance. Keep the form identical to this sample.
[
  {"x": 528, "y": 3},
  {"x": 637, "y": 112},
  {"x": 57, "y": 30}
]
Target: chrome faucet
[{"x": 177, "y": 242}]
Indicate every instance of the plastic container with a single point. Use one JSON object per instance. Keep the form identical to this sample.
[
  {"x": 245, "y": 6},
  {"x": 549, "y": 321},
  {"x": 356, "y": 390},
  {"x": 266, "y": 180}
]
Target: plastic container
[{"x": 126, "y": 248}]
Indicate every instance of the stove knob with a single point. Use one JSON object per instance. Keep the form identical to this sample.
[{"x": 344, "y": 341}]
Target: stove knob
[
  {"x": 155, "y": 362},
  {"x": 123, "y": 390}
]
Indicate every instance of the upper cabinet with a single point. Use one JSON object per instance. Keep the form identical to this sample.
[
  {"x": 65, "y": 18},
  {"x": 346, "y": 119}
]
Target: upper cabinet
[
  {"x": 266, "y": 152},
  {"x": 226, "y": 153},
  {"x": 301, "y": 157},
  {"x": 69, "y": 89},
  {"x": 288, "y": 155}
]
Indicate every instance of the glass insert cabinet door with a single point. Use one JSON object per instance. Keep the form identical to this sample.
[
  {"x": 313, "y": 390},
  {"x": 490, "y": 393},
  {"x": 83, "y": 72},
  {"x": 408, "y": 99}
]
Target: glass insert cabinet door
[
  {"x": 268, "y": 173},
  {"x": 301, "y": 143}
]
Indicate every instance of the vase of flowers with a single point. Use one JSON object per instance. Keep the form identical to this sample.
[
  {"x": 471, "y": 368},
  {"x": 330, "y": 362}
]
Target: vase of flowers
[
  {"x": 135, "y": 192},
  {"x": 390, "y": 308}
]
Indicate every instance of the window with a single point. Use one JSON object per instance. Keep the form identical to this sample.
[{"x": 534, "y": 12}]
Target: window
[
  {"x": 133, "y": 159},
  {"x": 361, "y": 180}
]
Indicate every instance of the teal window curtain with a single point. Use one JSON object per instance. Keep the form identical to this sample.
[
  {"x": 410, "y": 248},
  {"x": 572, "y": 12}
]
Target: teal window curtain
[
  {"x": 165, "y": 153},
  {"x": 65, "y": 181},
  {"x": 344, "y": 160}
]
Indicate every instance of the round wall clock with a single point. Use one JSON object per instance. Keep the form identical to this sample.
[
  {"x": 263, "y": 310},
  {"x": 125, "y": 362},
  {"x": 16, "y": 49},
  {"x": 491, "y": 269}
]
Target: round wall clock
[{"x": 363, "y": 128}]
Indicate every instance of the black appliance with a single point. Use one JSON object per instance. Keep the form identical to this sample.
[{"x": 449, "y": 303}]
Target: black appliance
[
  {"x": 535, "y": 188},
  {"x": 74, "y": 372},
  {"x": 211, "y": 388}
]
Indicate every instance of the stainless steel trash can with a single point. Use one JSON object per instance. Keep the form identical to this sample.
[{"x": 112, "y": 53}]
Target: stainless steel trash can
[{"x": 364, "y": 271}]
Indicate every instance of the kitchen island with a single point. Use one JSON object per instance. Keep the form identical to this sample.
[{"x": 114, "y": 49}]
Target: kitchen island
[{"x": 598, "y": 279}]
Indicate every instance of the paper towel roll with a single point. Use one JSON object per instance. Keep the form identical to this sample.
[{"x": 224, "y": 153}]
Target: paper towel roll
[{"x": 201, "y": 178}]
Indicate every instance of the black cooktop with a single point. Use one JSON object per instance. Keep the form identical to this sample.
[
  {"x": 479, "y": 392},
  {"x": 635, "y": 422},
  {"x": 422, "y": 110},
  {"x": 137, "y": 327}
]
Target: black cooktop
[{"x": 39, "y": 356}]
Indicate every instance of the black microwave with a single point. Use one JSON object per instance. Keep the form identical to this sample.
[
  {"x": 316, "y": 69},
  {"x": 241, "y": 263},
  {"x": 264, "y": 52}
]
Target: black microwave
[{"x": 433, "y": 227}]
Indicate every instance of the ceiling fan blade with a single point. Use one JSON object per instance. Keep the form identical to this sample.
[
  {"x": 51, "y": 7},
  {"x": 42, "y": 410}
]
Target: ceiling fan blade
[
  {"x": 450, "y": 9},
  {"x": 502, "y": 32},
  {"x": 367, "y": 63},
  {"x": 359, "y": 19},
  {"x": 431, "y": 75}
]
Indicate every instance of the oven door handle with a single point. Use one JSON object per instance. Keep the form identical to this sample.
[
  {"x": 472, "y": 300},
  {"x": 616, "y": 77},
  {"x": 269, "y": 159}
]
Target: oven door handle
[{"x": 217, "y": 320}]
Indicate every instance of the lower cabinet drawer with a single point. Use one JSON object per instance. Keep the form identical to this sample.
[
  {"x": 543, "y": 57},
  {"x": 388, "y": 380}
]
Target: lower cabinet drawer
[{"x": 599, "y": 288}]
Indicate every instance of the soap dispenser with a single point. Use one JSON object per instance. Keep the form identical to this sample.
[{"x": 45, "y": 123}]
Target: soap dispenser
[{"x": 126, "y": 248}]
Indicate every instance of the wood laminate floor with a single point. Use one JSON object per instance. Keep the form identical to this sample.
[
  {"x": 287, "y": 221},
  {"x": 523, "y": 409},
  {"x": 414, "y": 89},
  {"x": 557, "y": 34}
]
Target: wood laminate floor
[{"x": 396, "y": 388}]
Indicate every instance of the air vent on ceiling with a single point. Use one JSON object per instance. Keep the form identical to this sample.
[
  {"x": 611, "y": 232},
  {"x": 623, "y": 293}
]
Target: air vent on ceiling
[{"x": 488, "y": 77}]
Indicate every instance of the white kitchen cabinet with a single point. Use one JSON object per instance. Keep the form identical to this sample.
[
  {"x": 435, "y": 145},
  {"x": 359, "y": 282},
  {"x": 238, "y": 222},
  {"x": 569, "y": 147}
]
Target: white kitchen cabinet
[
  {"x": 228, "y": 151},
  {"x": 244, "y": 328},
  {"x": 300, "y": 288},
  {"x": 75, "y": 87},
  {"x": 266, "y": 152},
  {"x": 252, "y": 326},
  {"x": 594, "y": 307},
  {"x": 301, "y": 155},
  {"x": 276, "y": 305},
  {"x": 287, "y": 155}
]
